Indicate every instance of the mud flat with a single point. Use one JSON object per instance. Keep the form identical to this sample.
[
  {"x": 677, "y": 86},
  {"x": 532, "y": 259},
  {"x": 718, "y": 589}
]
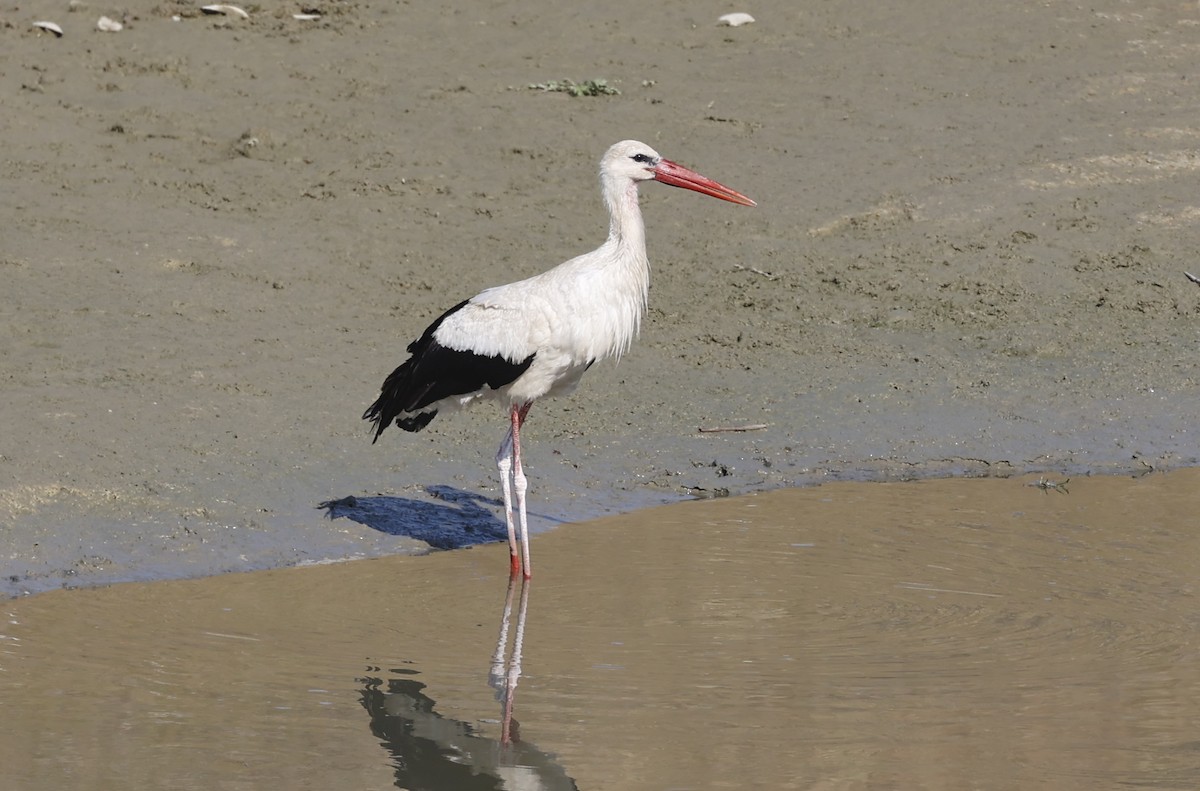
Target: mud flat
[{"x": 968, "y": 259}]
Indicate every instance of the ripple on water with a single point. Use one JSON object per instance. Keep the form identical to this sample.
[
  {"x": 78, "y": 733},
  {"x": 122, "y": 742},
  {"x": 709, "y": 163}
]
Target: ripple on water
[{"x": 941, "y": 634}]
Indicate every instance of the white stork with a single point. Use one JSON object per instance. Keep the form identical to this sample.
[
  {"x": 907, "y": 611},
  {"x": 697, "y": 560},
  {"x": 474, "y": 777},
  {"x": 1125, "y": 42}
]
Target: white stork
[{"x": 518, "y": 342}]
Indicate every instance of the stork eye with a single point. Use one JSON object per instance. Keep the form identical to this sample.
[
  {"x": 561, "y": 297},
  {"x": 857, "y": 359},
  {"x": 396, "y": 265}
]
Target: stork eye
[{"x": 642, "y": 158}]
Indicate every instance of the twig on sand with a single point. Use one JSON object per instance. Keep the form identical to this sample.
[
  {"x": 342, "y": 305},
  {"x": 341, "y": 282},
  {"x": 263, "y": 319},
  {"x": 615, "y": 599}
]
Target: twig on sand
[
  {"x": 1192, "y": 278},
  {"x": 1045, "y": 484},
  {"x": 716, "y": 429},
  {"x": 767, "y": 275}
]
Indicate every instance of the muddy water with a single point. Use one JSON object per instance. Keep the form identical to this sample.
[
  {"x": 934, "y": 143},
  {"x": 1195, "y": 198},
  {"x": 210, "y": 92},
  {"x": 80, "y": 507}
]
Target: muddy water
[{"x": 942, "y": 634}]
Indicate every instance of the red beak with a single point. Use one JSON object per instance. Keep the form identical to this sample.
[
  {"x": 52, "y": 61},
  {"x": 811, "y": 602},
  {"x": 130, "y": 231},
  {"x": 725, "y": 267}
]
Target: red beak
[{"x": 676, "y": 175}]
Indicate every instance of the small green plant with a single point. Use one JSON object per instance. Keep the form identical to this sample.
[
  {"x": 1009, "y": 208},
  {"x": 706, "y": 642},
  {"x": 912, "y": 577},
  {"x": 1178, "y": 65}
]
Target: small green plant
[{"x": 572, "y": 88}]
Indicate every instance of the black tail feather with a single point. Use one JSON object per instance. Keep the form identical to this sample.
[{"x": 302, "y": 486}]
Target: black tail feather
[
  {"x": 396, "y": 397},
  {"x": 400, "y": 393},
  {"x": 435, "y": 372}
]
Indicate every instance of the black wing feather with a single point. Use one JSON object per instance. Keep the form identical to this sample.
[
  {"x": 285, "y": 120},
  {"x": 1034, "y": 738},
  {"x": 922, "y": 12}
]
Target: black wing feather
[{"x": 434, "y": 372}]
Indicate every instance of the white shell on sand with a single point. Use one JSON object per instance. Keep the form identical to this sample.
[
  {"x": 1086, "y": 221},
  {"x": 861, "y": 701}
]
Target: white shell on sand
[
  {"x": 228, "y": 10},
  {"x": 53, "y": 28},
  {"x": 736, "y": 20},
  {"x": 306, "y": 17},
  {"x": 108, "y": 25}
]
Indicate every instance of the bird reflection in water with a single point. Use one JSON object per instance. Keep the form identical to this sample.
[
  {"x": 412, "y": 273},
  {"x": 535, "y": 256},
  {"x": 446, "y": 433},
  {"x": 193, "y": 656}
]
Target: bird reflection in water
[
  {"x": 431, "y": 752},
  {"x": 506, "y": 665}
]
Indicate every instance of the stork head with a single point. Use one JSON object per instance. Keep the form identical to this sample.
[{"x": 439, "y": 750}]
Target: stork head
[{"x": 637, "y": 162}]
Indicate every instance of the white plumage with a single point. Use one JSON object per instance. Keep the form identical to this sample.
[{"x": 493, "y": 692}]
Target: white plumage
[{"x": 536, "y": 337}]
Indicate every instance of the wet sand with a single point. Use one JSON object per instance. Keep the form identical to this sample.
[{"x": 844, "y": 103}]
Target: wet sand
[
  {"x": 967, "y": 258},
  {"x": 937, "y": 634}
]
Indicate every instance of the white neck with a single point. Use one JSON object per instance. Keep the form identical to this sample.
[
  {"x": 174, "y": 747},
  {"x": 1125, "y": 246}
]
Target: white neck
[
  {"x": 626, "y": 250},
  {"x": 625, "y": 226}
]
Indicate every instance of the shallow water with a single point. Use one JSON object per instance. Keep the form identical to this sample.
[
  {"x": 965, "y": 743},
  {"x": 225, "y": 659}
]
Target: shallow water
[{"x": 940, "y": 634}]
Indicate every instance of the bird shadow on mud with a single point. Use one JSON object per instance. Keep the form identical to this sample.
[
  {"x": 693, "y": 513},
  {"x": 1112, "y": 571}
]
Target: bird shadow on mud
[{"x": 454, "y": 520}]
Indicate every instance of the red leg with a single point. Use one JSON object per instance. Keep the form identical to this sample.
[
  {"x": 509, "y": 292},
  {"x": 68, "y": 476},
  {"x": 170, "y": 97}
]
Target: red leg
[
  {"x": 504, "y": 463},
  {"x": 520, "y": 484}
]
